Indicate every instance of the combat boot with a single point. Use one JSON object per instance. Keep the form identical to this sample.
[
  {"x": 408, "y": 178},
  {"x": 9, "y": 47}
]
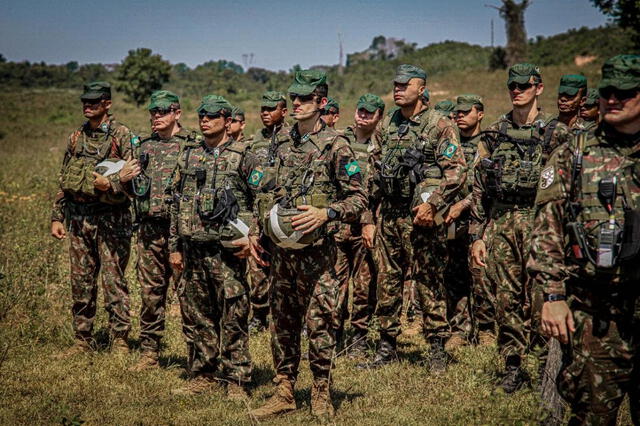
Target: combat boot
[
  {"x": 119, "y": 346},
  {"x": 200, "y": 384},
  {"x": 455, "y": 341},
  {"x": 437, "y": 357},
  {"x": 281, "y": 402},
  {"x": 514, "y": 378},
  {"x": 321, "y": 405},
  {"x": 148, "y": 360},
  {"x": 386, "y": 353},
  {"x": 80, "y": 346},
  {"x": 237, "y": 392},
  {"x": 358, "y": 346}
]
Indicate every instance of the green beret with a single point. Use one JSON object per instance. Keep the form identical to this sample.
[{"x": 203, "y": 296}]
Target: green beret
[
  {"x": 306, "y": 81},
  {"x": 370, "y": 102},
  {"x": 570, "y": 84},
  {"x": 425, "y": 95},
  {"x": 332, "y": 103},
  {"x": 96, "y": 90},
  {"x": 466, "y": 102},
  {"x": 236, "y": 112},
  {"x": 593, "y": 97},
  {"x": 621, "y": 72},
  {"x": 213, "y": 104},
  {"x": 271, "y": 98},
  {"x": 521, "y": 73},
  {"x": 163, "y": 99},
  {"x": 406, "y": 72},
  {"x": 445, "y": 106}
]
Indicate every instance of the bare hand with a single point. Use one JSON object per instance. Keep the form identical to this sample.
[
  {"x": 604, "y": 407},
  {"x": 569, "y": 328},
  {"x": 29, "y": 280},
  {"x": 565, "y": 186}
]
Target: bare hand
[
  {"x": 424, "y": 215},
  {"x": 256, "y": 250},
  {"x": 557, "y": 320},
  {"x": 57, "y": 230},
  {"x": 244, "y": 245},
  {"x": 479, "y": 253},
  {"x": 312, "y": 219},
  {"x": 176, "y": 262},
  {"x": 100, "y": 182},
  {"x": 130, "y": 170},
  {"x": 368, "y": 235},
  {"x": 454, "y": 212}
]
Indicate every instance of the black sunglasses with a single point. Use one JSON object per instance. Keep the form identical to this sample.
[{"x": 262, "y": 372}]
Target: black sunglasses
[
  {"x": 303, "y": 98},
  {"x": 161, "y": 111},
  {"x": 209, "y": 115},
  {"x": 621, "y": 95},
  {"x": 91, "y": 101},
  {"x": 520, "y": 86}
]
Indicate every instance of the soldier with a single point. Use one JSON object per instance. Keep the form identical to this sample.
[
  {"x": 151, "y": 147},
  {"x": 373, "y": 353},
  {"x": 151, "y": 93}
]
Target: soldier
[
  {"x": 210, "y": 219},
  {"x": 585, "y": 252},
  {"x": 590, "y": 110},
  {"x": 273, "y": 111},
  {"x": 446, "y": 108},
  {"x": 95, "y": 208},
  {"x": 469, "y": 110},
  {"x": 331, "y": 112},
  {"x": 158, "y": 154},
  {"x": 238, "y": 123},
  {"x": 355, "y": 240},
  {"x": 419, "y": 169},
  {"x": 572, "y": 94},
  {"x": 314, "y": 184},
  {"x": 508, "y": 166}
]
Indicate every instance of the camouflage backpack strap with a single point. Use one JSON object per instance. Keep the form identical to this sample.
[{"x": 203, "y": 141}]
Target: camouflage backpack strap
[
  {"x": 73, "y": 139},
  {"x": 549, "y": 128}
]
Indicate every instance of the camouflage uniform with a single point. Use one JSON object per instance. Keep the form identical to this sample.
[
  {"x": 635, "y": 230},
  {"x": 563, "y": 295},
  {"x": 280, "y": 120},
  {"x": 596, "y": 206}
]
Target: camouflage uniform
[
  {"x": 99, "y": 226},
  {"x": 400, "y": 244},
  {"x": 601, "y": 361},
  {"x": 213, "y": 291},
  {"x": 355, "y": 262},
  {"x": 152, "y": 213},
  {"x": 503, "y": 209}
]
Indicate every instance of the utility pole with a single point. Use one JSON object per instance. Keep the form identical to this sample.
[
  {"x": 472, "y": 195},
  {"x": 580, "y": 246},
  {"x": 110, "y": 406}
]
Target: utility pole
[
  {"x": 492, "y": 33},
  {"x": 340, "y": 62}
]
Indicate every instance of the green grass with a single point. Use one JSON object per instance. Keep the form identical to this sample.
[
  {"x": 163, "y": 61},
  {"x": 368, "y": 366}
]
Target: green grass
[{"x": 35, "y": 307}]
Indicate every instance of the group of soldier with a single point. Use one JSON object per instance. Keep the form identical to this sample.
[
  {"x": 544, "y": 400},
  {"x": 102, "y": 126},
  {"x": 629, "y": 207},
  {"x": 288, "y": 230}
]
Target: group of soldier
[{"x": 527, "y": 230}]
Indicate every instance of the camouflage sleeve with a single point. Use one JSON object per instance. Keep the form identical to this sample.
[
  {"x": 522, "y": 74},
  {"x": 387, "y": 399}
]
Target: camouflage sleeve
[
  {"x": 352, "y": 199},
  {"x": 59, "y": 200},
  {"x": 174, "y": 208},
  {"x": 366, "y": 217},
  {"x": 479, "y": 213},
  {"x": 450, "y": 158},
  {"x": 561, "y": 135},
  {"x": 375, "y": 156},
  {"x": 249, "y": 163},
  {"x": 128, "y": 144},
  {"x": 546, "y": 263}
]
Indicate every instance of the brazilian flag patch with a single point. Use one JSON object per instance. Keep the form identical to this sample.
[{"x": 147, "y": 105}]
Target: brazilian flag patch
[
  {"x": 135, "y": 141},
  {"x": 352, "y": 168},
  {"x": 450, "y": 150},
  {"x": 255, "y": 177}
]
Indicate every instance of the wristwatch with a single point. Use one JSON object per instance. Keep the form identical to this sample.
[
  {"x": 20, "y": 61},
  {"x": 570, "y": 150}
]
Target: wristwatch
[
  {"x": 553, "y": 297},
  {"x": 332, "y": 214}
]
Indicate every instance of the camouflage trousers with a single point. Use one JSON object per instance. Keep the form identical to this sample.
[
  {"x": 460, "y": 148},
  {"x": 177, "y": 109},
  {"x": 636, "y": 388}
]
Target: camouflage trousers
[
  {"x": 304, "y": 288},
  {"x": 259, "y": 284},
  {"x": 601, "y": 363},
  {"x": 457, "y": 278},
  {"x": 214, "y": 302},
  {"x": 483, "y": 307},
  {"x": 100, "y": 244},
  {"x": 355, "y": 262},
  {"x": 154, "y": 276},
  {"x": 507, "y": 254},
  {"x": 421, "y": 254}
]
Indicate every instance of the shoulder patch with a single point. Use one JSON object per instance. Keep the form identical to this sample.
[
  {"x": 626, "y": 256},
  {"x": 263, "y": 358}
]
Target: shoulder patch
[
  {"x": 450, "y": 150},
  {"x": 135, "y": 140},
  {"x": 255, "y": 177},
  {"x": 547, "y": 177},
  {"x": 352, "y": 168}
]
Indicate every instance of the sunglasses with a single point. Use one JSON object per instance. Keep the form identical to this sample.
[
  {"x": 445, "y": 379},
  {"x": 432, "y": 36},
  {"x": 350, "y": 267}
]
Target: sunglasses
[
  {"x": 209, "y": 115},
  {"x": 520, "y": 86},
  {"x": 303, "y": 98},
  {"x": 621, "y": 95},
  {"x": 91, "y": 101},
  {"x": 161, "y": 111}
]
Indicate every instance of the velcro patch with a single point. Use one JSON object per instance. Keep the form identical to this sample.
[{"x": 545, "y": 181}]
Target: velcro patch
[
  {"x": 135, "y": 141},
  {"x": 546, "y": 177},
  {"x": 450, "y": 150},
  {"x": 255, "y": 177},
  {"x": 352, "y": 168}
]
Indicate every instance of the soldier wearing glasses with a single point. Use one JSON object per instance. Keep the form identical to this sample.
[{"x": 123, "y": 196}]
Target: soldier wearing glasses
[{"x": 331, "y": 112}]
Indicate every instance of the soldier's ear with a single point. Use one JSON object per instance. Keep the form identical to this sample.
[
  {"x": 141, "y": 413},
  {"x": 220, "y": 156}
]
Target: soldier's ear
[
  {"x": 178, "y": 114},
  {"x": 107, "y": 103}
]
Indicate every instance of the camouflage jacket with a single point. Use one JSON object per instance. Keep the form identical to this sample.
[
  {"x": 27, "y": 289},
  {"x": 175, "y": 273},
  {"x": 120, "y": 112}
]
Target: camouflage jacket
[
  {"x": 262, "y": 141},
  {"x": 522, "y": 179},
  {"x": 112, "y": 140},
  {"x": 337, "y": 181},
  {"x": 162, "y": 158},
  {"x": 201, "y": 173},
  {"x": 553, "y": 258},
  {"x": 434, "y": 136}
]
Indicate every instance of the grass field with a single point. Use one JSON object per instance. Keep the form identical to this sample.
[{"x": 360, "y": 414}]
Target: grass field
[{"x": 35, "y": 306}]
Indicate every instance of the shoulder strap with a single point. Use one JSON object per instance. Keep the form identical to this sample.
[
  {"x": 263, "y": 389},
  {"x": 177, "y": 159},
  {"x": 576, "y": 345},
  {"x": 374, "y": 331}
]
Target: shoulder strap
[{"x": 548, "y": 132}]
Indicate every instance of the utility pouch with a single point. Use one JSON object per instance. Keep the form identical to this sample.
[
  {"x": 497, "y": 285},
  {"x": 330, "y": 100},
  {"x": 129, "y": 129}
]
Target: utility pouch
[
  {"x": 206, "y": 204},
  {"x": 493, "y": 172},
  {"x": 630, "y": 235},
  {"x": 607, "y": 245}
]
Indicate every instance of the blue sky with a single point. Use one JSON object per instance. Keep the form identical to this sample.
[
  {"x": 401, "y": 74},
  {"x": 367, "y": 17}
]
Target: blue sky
[{"x": 279, "y": 33}]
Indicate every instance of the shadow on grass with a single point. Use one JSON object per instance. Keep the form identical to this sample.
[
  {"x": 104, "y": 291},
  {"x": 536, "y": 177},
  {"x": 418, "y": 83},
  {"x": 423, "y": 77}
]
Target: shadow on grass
[{"x": 262, "y": 375}]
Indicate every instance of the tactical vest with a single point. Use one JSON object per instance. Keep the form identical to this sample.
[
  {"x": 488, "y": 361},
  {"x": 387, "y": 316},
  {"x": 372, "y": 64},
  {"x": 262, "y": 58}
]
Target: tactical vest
[
  {"x": 161, "y": 158},
  {"x": 396, "y": 181},
  {"x": 361, "y": 153},
  {"x": 470, "y": 148},
  {"x": 204, "y": 178},
  {"x": 84, "y": 154}
]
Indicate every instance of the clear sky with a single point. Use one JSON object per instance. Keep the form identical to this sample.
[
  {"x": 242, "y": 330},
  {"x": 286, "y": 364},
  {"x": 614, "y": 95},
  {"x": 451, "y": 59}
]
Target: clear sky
[{"x": 279, "y": 33}]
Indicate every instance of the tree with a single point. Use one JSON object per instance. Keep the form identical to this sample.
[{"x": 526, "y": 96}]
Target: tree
[
  {"x": 625, "y": 13},
  {"x": 513, "y": 15},
  {"x": 140, "y": 74}
]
